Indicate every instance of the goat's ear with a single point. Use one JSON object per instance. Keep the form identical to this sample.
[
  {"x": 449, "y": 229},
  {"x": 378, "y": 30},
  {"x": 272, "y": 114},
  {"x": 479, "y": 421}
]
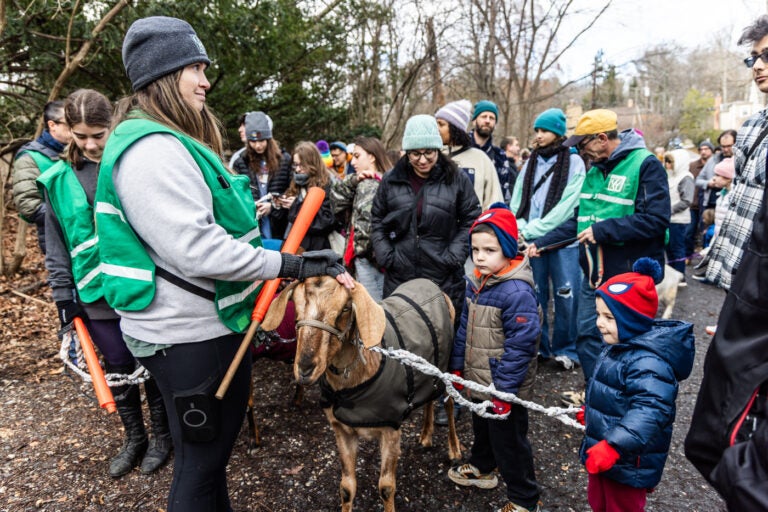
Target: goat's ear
[
  {"x": 276, "y": 310},
  {"x": 370, "y": 316}
]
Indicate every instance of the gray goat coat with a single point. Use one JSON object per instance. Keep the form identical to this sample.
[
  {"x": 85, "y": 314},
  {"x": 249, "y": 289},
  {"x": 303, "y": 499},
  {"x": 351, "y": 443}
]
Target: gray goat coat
[{"x": 418, "y": 320}]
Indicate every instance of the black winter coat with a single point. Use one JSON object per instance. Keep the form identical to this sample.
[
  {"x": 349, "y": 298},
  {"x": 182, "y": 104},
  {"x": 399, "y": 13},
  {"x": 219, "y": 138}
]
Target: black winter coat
[
  {"x": 433, "y": 245},
  {"x": 735, "y": 368},
  {"x": 277, "y": 184}
]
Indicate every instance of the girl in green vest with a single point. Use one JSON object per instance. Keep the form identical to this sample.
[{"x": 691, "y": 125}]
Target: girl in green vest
[
  {"x": 73, "y": 265},
  {"x": 181, "y": 253}
]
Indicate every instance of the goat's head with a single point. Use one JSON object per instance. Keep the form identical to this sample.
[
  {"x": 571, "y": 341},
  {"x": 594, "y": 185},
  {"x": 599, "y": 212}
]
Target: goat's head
[{"x": 322, "y": 300}]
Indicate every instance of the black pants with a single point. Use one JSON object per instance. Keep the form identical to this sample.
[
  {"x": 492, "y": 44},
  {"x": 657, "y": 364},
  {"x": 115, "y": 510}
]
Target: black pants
[
  {"x": 194, "y": 369},
  {"x": 504, "y": 444}
]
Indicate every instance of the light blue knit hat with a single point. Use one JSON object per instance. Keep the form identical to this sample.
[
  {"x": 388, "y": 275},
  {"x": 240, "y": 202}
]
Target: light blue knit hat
[
  {"x": 421, "y": 133},
  {"x": 552, "y": 120}
]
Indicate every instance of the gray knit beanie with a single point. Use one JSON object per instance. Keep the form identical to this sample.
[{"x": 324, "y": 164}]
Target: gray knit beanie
[
  {"x": 421, "y": 133},
  {"x": 257, "y": 126},
  {"x": 457, "y": 113},
  {"x": 157, "y": 46}
]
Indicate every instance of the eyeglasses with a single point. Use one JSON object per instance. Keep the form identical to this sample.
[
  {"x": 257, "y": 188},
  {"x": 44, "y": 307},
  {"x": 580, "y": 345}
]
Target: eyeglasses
[
  {"x": 415, "y": 156},
  {"x": 750, "y": 61},
  {"x": 583, "y": 144},
  {"x": 298, "y": 166}
]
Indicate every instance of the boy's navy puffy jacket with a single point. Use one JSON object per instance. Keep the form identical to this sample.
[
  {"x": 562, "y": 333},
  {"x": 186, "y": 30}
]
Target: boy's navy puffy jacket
[
  {"x": 499, "y": 332},
  {"x": 631, "y": 400}
]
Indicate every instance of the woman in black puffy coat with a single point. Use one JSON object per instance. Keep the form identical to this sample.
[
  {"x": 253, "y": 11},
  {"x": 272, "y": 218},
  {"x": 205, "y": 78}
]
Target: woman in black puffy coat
[{"x": 422, "y": 214}]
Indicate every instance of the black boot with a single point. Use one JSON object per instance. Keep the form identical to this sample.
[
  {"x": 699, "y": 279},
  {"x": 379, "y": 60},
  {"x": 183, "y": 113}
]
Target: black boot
[
  {"x": 128, "y": 401},
  {"x": 160, "y": 443}
]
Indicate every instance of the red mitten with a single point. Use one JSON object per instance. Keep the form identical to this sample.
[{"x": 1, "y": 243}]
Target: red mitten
[
  {"x": 580, "y": 414},
  {"x": 500, "y": 407},
  {"x": 460, "y": 374},
  {"x": 601, "y": 457}
]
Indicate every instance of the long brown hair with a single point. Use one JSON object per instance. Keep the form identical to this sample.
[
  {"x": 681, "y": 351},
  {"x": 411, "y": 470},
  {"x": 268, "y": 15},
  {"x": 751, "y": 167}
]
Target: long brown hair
[
  {"x": 88, "y": 107},
  {"x": 373, "y": 146},
  {"x": 161, "y": 101},
  {"x": 272, "y": 157},
  {"x": 311, "y": 160}
]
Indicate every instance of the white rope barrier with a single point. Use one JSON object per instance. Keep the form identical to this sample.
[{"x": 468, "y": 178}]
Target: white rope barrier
[
  {"x": 69, "y": 340},
  {"x": 480, "y": 408}
]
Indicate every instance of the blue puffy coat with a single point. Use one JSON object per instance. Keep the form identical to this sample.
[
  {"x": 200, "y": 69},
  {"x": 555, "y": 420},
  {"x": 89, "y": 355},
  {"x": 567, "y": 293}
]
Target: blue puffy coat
[
  {"x": 499, "y": 331},
  {"x": 631, "y": 400}
]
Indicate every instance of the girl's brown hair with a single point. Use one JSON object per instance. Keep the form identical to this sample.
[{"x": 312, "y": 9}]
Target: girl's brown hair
[
  {"x": 313, "y": 163},
  {"x": 161, "y": 101},
  {"x": 373, "y": 146},
  {"x": 272, "y": 156},
  {"x": 88, "y": 107}
]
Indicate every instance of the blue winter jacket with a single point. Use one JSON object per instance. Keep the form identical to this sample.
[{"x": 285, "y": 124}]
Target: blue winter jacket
[
  {"x": 499, "y": 332},
  {"x": 631, "y": 400}
]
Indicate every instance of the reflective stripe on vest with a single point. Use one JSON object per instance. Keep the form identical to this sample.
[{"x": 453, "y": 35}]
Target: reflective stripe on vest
[
  {"x": 75, "y": 216},
  {"x": 129, "y": 272},
  {"x": 612, "y": 196}
]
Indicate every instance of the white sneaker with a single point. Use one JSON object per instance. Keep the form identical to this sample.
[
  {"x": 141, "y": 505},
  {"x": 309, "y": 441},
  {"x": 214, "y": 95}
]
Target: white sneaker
[
  {"x": 711, "y": 329},
  {"x": 565, "y": 361},
  {"x": 468, "y": 475}
]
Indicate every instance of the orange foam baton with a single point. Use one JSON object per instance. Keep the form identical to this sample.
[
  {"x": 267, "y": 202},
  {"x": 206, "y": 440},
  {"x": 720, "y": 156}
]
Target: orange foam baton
[
  {"x": 100, "y": 387},
  {"x": 309, "y": 208}
]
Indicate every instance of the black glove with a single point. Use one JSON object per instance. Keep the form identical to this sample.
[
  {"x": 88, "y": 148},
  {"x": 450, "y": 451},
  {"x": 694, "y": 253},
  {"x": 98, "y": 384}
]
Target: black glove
[
  {"x": 311, "y": 264},
  {"x": 68, "y": 310}
]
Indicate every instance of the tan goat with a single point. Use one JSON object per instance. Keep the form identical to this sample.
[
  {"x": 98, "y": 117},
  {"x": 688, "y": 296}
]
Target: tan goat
[{"x": 364, "y": 394}]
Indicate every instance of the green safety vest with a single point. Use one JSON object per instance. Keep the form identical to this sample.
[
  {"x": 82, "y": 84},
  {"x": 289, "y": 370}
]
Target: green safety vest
[
  {"x": 129, "y": 272},
  {"x": 613, "y": 196},
  {"x": 75, "y": 216},
  {"x": 42, "y": 161}
]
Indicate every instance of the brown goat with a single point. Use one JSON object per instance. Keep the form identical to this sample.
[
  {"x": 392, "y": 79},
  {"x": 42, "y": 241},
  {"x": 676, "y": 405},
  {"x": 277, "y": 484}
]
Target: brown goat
[{"x": 334, "y": 327}]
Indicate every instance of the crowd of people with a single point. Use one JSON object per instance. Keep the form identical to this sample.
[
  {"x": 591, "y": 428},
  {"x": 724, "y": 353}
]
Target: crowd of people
[{"x": 163, "y": 274}]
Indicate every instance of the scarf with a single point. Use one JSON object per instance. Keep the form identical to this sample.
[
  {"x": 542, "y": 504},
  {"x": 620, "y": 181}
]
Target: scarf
[{"x": 558, "y": 178}]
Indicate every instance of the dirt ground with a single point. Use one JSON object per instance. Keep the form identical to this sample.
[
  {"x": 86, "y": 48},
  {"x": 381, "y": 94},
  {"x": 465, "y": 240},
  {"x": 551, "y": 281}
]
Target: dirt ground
[{"x": 56, "y": 444}]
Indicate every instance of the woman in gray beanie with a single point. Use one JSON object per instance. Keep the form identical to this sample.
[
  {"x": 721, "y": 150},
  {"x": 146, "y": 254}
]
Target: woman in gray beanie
[{"x": 182, "y": 256}]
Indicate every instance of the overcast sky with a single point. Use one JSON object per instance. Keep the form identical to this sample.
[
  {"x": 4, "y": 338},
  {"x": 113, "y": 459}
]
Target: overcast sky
[{"x": 630, "y": 26}]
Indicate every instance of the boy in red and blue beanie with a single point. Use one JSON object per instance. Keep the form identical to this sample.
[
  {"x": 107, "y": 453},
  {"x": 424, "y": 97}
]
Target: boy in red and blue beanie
[
  {"x": 630, "y": 399},
  {"x": 496, "y": 344}
]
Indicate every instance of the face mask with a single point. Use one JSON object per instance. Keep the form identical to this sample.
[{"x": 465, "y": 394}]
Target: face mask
[{"x": 301, "y": 179}]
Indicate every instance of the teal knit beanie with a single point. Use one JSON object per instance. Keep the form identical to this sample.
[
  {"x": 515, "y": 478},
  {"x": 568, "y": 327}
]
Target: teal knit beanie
[
  {"x": 552, "y": 120},
  {"x": 485, "y": 106},
  {"x": 421, "y": 133}
]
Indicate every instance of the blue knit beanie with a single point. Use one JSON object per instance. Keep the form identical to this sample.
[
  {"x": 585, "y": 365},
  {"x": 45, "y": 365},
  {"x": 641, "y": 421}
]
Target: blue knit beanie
[
  {"x": 157, "y": 46},
  {"x": 421, "y": 133},
  {"x": 552, "y": 120},
  {"x": 485, "y": 106}
]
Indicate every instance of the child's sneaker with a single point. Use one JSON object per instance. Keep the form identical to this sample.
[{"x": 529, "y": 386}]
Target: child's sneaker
[
  {"x": 513, "y": 507},
  {"x": 468, "y": 475},
  {"x": 573, "y": 398}
]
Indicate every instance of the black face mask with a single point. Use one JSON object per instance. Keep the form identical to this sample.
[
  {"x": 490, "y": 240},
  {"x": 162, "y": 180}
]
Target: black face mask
[{"x": 301, "y": 179}]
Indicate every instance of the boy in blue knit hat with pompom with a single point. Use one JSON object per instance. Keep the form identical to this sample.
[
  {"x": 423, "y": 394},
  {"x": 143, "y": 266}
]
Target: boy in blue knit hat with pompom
[
  {"x": 630, "y": 399},
  {"x": 496, "y": 345}
]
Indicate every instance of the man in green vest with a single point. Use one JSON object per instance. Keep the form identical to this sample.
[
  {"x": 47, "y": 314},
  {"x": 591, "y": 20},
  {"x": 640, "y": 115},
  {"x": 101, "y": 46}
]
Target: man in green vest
[
  {"x": 33, "y": 159},
  {"x": 623, "y": 215}
]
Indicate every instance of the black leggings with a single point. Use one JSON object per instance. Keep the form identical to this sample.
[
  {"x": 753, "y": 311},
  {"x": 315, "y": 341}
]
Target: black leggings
[{"x": 196, "y": 369}]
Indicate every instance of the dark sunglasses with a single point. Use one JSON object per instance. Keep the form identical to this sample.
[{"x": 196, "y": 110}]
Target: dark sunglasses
[{"x": 750, "y": 61}]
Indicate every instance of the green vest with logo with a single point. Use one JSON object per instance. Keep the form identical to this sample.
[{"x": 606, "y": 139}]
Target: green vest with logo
[
  {"x": 75, "y": 216},
  {"x": 128, "y": 271},
  {"x": 613, "y": 196}
]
